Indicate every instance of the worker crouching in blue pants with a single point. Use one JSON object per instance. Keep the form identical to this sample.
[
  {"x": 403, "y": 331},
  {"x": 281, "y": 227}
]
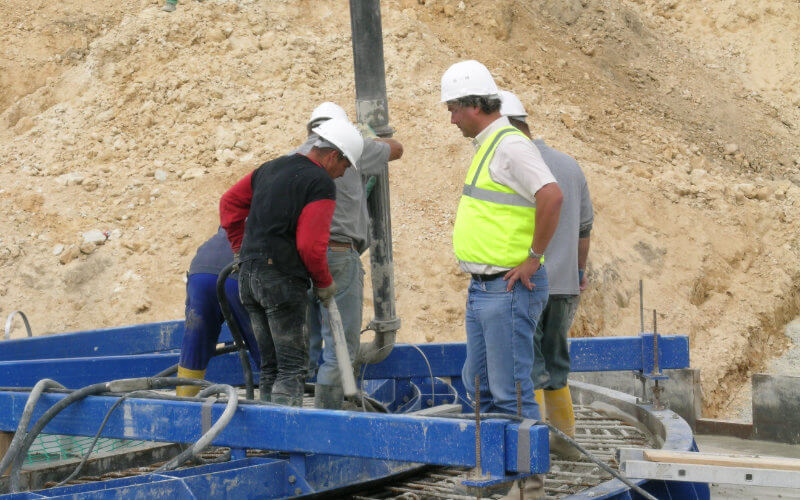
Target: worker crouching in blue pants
[{"x": 203, "y": 314}]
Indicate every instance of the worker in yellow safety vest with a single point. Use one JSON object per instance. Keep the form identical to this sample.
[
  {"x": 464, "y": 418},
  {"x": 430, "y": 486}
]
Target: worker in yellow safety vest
[
  {"x": 567, "y": 255},
  {"x": 507, "y": 214}
]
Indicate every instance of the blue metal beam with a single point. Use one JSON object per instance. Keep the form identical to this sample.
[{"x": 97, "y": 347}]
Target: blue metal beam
[
  {"x": 446, "y": 360},
  {"x": 117, "y": 341},
  {"x": 405, "y": 438},
  {"x": 587, "y": 354},
  {"x": 74, "y": 373}
]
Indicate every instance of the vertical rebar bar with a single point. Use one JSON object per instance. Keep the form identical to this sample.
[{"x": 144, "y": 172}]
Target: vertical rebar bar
[
  {"x": 478, "y": 424},
  {"x": 519, "y": 413},
  {"x": 655, "y": 345}
]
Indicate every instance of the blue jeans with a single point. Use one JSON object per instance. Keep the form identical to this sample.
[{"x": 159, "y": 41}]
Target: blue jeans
[
  {"x": 500, "y": 327},
  {"x": 277, "y": 303},
  {"x": 348, "y": 274},
  {"x": 551, "y": 365},
  {"x": 204, "y": 320}
]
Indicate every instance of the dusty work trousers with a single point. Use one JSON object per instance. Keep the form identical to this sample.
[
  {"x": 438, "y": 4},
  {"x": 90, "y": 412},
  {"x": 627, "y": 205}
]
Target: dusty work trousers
[
  {"x": 500, "y": 327},
  {"x": 551, "y": 348},
  {"x": 277, "y": 303},
  {"x": 204, "y": 320},
  {"x": 348, "y": 274}
]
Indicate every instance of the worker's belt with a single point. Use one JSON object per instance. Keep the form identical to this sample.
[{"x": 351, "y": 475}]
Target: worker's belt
[
  {"x": 338, "y": 246},
  {"x": 488, "y": 277}
]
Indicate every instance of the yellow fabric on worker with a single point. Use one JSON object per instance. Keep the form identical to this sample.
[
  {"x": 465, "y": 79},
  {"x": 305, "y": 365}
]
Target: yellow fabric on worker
[
  {"x": 558, "y": 404},
  {"x": 538, "y": 395},
  {"x": 494, "y": 224},
  {"x": 188, "y": 391}
]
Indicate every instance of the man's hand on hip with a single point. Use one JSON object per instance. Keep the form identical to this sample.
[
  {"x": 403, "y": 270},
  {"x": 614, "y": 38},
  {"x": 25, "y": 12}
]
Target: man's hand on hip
[
  {"x": 522, "y": 273},
  {"x": 325, "y": 295}
]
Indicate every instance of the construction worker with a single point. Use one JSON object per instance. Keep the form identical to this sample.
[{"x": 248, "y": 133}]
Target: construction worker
[
  {"x": 566, "y": 257},
  {"x": 349, "y": 239},
  {"x": 288, "y": 204},
  {"x": 203, "y": 314},
  {"x": 506, "y": 216}
]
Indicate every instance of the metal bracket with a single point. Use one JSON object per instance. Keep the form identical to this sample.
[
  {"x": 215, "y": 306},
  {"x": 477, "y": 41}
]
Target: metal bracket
[{"x": 382, "y": 326}]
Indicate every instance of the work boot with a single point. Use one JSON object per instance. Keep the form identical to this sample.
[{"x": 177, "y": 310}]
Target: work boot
[
  {"x": 538, "y": 395},
  {"x": 264, "y": 391},
  {"x": 284, "y": 399},
  {"x": 328, "y": 397},
  {"x": 168, "y": 7},
  {"x": 189, "y": 391},
  {"x": 558, "y": 405},
  {"x": 530, "y": 488}
]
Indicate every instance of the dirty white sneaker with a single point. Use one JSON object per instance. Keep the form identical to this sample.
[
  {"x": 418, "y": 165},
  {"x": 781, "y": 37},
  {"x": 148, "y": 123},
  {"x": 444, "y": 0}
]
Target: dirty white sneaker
[{"x": 168, "y": 7}]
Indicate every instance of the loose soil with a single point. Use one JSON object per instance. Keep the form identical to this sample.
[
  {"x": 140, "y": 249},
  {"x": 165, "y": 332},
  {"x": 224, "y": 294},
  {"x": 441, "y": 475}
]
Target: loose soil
[{"x": 118, "y": 119}]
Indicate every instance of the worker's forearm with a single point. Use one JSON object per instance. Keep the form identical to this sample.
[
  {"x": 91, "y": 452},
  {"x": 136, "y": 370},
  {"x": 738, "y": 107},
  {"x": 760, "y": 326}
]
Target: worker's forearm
[
  {"x": 548, "y": 208},
  {"x": 395, "y": 148},
  {"x": 583, "y": 252},
  {"x": 234, "y": 206}
]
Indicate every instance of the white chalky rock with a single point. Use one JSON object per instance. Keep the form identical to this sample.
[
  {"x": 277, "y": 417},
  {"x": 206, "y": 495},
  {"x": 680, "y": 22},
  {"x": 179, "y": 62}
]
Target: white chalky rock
[
  {"x": 192, "y": 173},
  {"x": 94, "y": 236}
]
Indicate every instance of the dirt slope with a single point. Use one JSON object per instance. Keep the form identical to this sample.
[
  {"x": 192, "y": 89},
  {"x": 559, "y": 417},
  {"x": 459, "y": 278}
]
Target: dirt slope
[{"x": 122, "y": 119}]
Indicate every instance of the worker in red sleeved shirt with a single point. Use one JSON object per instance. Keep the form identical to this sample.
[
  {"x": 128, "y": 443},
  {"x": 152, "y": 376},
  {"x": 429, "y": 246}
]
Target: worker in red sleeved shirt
[{"x": 288, "y": 204}]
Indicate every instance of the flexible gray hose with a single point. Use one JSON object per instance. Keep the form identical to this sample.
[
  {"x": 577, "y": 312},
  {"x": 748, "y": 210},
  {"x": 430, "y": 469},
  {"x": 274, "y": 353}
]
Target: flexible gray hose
[
  {"x": 206, "y": 439},
  {"x": 340, "y": 347},
  {"x": 77, "y": 469},
  {"x": 22, "y": 427},
  {"x": 123, "y": 385}
]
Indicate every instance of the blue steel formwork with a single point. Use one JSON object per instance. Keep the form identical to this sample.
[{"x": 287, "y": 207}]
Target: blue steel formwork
[{"x": 316, "y": 450}]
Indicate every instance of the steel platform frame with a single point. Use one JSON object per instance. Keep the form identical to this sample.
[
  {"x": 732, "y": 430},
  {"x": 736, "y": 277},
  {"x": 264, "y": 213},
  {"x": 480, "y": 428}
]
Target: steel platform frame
[{"x": 319, "y": 449}]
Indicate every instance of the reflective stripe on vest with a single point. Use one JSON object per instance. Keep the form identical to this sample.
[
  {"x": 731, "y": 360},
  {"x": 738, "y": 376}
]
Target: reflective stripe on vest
[{"x": 494, "y": 224}]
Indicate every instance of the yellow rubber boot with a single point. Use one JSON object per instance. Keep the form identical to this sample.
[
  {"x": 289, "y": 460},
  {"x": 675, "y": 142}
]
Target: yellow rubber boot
[
  {"x": 558, "y": 407},
  {"x": 538, "y": 395},
  {"x": 189, "y": 391}
]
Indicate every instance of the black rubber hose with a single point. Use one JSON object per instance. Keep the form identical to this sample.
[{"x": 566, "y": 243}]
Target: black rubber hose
[
  {"x": 233, "y": 325},
  {"x": 125, "y": 385},
  {"x": 88, "y": 453},
  {"x": 172, "y": 370}
]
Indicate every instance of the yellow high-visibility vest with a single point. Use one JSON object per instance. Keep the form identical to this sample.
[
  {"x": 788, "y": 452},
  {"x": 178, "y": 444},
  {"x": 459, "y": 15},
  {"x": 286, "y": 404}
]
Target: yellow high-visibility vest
[{"x": 494, "y": 224}]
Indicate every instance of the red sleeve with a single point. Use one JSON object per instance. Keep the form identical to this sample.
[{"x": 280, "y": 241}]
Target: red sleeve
[
  {"x": 234, "y": 206},
  {"x": 313, "y": 232}
]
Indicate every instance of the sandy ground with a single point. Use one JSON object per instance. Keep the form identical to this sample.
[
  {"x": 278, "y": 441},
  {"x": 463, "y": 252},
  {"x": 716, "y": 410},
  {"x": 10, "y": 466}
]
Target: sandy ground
[{"x": 121, "y": 125}]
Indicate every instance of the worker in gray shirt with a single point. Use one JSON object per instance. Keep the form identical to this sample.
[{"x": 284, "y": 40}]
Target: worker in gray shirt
[
  {"x": 566, "y": 257},
  {"x": 349, "y": 239}
]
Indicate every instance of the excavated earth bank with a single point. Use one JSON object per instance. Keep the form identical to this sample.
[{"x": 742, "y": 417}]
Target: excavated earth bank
[{"x": 121, "y": 125}]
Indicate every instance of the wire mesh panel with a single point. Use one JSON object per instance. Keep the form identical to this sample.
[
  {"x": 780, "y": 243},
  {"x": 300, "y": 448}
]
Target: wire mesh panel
[{"x": 53, "y": 447}]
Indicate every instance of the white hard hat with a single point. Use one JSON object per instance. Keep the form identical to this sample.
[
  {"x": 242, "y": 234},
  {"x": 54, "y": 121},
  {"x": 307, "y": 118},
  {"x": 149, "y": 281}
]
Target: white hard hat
[
  {"x": 467, "y": 78},
  {"x": 325, "y": 111},
  {"x": 344, "y": 135},
  {"x": 511, "y": 106}
]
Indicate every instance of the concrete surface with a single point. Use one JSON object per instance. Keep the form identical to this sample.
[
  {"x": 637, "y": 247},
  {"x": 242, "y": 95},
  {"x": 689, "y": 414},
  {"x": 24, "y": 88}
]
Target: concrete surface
[{"x": 724, "y": 444}]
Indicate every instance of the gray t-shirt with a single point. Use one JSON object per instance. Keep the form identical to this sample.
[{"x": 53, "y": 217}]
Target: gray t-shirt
[
  {"x": 561, "y": 256},
  {"x": 350, "y": 219}
]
